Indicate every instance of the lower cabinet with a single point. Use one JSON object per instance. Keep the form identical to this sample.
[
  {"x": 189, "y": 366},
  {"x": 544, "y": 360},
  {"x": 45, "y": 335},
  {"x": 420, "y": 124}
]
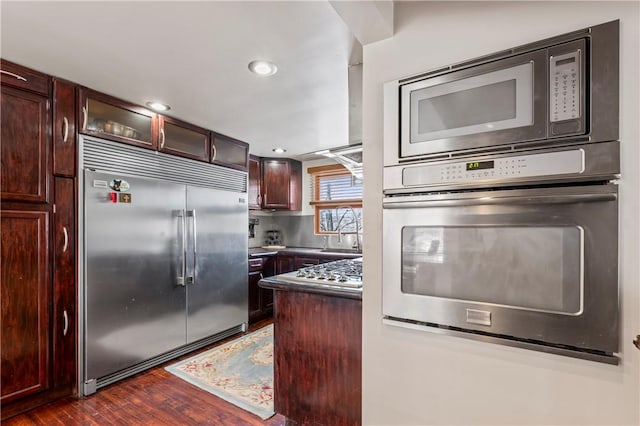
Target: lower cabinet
[
  {"x": 260, "y": 299},
  {"x": 26, "y": 367},
  {"x": 38, "y": 339}
]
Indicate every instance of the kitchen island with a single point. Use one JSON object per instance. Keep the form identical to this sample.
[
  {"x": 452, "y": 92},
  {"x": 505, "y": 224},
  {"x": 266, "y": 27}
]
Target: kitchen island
[{"x": 317, "y": 352}]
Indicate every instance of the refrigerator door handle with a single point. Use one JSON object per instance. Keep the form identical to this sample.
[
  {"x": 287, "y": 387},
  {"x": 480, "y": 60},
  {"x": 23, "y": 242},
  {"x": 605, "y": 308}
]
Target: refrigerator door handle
[
  {"x": 191, "y": 278},
  {"x": 183, "y": 257}
]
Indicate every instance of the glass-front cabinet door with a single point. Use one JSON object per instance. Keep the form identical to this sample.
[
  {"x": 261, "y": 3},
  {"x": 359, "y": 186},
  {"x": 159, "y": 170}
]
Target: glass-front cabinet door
[
  {"x": 111, "y": 118},
  {"x": 229, "y": 152},
  {"x": 183, "y": 139}
]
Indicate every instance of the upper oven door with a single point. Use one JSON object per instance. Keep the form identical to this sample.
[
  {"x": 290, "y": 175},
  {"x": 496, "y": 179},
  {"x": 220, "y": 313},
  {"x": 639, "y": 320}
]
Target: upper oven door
[
  {"x": 507, "y": 101},
  {"x": 538, "y": 264}
]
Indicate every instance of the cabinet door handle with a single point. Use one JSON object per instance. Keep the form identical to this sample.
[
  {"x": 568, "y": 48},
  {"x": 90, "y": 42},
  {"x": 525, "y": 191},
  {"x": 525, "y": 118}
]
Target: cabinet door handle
[
  {"x": 65, "y": 246},
  {"x": 259, "y": 199},
  {"x": 65, "y": 129},
  {"x": 214, "y": 152},
  {"x": 16, "y": 76},
  {"x": 636, "y": 342},
  {"x": 65, "y": 318},
  {"x": 85, "y": 117},
  {"x": 265, "y": 198},
  {"x": 261, "y": 276},
  {"x": 161, "y": 138}
]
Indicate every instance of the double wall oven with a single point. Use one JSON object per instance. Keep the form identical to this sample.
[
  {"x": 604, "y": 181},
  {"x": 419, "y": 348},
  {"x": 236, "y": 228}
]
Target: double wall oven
[{"x": 500, "y": 211}]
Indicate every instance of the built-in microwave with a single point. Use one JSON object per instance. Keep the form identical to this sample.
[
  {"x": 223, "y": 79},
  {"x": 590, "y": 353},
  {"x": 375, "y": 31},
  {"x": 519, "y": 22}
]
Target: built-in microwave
[{"x": 556, "y": 90}]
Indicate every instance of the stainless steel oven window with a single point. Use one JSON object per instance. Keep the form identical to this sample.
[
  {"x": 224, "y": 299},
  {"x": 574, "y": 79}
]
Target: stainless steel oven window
[
  {"x": 537, "y": 268},
  {"x": 491, "y": 101}
]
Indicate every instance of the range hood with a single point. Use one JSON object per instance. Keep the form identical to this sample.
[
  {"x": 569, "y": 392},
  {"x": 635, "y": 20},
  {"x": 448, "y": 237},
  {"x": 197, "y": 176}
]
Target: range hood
[{"x": 349, "y": 156}]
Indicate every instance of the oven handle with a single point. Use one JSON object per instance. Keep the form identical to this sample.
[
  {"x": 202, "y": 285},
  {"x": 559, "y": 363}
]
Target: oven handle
[{"x": 415, "y": 202}]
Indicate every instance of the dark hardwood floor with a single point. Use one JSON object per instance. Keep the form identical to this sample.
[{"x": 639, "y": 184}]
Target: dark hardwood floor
[{"x": 154, "y": 397}]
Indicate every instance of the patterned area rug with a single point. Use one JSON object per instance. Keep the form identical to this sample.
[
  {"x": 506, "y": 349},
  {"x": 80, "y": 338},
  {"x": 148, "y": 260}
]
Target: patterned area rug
[{"x": 240, "y": 371}]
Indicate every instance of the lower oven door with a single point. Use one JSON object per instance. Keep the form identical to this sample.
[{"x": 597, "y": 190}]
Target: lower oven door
[{"x": 539, "y": 265}]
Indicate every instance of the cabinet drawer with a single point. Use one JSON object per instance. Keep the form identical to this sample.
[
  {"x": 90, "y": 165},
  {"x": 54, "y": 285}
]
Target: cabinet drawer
[{"x": 255, "y": 264}]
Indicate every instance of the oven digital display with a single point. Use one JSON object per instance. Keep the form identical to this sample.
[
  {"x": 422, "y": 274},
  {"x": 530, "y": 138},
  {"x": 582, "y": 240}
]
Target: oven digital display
[{"x": 480, "y": 165}]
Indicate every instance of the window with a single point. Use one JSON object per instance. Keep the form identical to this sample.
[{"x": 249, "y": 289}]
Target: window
[{"x": 337, "y": 200}]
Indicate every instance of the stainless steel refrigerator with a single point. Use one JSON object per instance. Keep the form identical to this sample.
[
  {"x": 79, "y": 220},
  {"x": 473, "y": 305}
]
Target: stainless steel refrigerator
[{"x": 165, "y": 267}]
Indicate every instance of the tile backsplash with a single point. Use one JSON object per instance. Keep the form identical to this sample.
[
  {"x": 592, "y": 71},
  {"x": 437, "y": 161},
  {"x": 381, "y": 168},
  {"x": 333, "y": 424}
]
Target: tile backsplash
[{"x": 295, "y": 231}]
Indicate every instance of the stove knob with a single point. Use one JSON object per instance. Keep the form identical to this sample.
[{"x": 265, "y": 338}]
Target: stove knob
[
  {"x": 343, "y": 278},
  {"x": 300, "y": 273},
  {"x": 321, "y": 276},
  {"x": 311, "y": 274},
  {"x": 331, "y": 277}
]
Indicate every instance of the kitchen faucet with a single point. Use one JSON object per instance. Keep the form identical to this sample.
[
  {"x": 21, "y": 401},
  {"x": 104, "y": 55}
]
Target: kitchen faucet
[{"x": 357, "y": 245}]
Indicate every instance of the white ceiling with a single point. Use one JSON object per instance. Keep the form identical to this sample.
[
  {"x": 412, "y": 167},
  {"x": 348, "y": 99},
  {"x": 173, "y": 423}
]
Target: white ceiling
[{"x": 194, "y": 56}]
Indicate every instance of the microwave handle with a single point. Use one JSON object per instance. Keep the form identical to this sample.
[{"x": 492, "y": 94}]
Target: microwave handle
[{"x": 415, "y": 202}]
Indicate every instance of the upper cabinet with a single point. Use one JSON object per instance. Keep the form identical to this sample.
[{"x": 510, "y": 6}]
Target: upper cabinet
[
  {"x": 183, "y": 139},
  {"x": 64, "y": 128},
  {"x": 254, "y": 195},
  {"x": 111, "y": 118},
  {"x": 281, "y": 184},
  {"x": 229, "y": 152},
  {"x": 25, "y": 111}
]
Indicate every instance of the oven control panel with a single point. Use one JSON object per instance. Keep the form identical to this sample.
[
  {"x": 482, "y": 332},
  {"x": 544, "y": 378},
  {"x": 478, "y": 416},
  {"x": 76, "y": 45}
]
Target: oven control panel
[{"x": 514, "y": 167}]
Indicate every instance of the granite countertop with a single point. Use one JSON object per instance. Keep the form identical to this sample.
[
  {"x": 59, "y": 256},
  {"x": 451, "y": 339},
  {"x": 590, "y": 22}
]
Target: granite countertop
[{"x": 275, "y": 283}]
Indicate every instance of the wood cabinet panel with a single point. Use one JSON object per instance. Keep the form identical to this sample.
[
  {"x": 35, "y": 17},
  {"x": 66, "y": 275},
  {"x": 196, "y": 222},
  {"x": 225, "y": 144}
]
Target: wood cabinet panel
[
  {"x": 317, "y": 359},
  {"x": 25, "y": 307},
  {"x": 281, "y": 184},
  {"x": 25, "y": 145},
  {"x": 64, "y": 128},
  {"x": 114, "y": 119},
  {"x": 260, "y": 299},
  {"x": 24, "y": 78},
  {"x": 229, "y": 152},
  {"x": 275, "y": 183},
  {"x": 183, "y": 139},
  {"x": 64, "y": 284},
  {"x": 255, "y": 198},
  {"x": 284, "y": 264}
]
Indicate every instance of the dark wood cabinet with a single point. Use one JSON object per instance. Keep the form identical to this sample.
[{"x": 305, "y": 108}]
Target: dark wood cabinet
[
  {"x": 229, "y": 152},
  {"x": 64, "y": 128},
  {"x": 25, "y": 146},
  {"x": 284, "y": 264},
  {"x": 111, "y": 118},
  {"x": 64, "y": 284},
  {"x": 17, "y": 76},
  {"x": 317, "y": 358},
  {"x": 281, "y": 184},
  {"x": 25, "y": 338},
  {"x": 183, "y": 139},
  {"x": 38, "y": 263},
  {"x": 255, "y": 198},
  {"x": 260, "y": 299}
]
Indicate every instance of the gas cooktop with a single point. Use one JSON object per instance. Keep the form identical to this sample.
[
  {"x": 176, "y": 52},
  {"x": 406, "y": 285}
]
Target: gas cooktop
[{"x": 341, "y": 273}]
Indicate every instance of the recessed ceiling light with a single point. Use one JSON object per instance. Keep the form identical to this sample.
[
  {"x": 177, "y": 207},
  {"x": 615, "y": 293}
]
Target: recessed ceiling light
[
  {"x": 279, "y": 150},
  {"x": 263, "y": 67},
  {"x": 158, "y": 106}
]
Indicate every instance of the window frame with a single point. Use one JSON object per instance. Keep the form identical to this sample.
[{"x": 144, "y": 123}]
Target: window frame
[{"x": 328, "y": 171}]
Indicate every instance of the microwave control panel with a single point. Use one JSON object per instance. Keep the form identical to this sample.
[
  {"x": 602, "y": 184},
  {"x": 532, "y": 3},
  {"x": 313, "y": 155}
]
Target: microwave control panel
[
  {"x": 514, "y": 167},
  {"x": 564, "y": 86}
]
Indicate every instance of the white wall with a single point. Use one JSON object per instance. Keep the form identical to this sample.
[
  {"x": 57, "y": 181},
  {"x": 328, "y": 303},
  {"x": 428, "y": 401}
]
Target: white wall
[{"x": 420, "y": 378}]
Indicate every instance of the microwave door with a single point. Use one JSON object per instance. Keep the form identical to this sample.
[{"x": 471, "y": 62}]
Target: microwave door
[{"x": 503, "y": 101}]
